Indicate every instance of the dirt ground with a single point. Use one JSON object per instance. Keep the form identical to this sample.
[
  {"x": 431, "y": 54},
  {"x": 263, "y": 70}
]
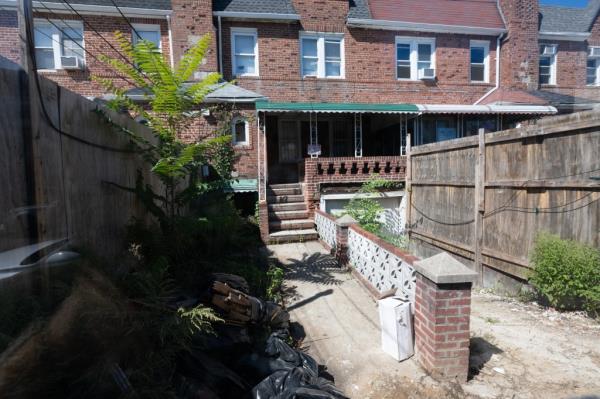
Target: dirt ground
[{"x": 518, "y": 350}]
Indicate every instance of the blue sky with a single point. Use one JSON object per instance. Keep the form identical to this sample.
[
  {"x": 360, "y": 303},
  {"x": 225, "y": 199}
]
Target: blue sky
[{"x": 568, "y": 3}]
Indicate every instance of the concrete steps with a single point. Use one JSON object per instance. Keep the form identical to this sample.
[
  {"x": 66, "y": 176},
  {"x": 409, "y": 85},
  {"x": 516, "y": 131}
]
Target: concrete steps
[
  {"x": 288, "y": 214},
  {"x": 294, "y": 224},
  {"x": 280, "y": 199},
  {"x": 285, "y": 236},
  {"x": 284, "y": 207}
]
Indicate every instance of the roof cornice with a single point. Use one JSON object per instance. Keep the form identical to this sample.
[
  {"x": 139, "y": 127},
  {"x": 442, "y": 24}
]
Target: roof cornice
[
  {"x": 423, "y": 27},
  {"x": 569, "y": 36},
  {"x": 89, "y": 9},
  {"x": 257, "y": 16}
]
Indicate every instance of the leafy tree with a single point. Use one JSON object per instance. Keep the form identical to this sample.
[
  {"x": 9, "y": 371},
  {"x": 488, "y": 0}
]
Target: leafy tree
[{"x": 172, "y": 102}]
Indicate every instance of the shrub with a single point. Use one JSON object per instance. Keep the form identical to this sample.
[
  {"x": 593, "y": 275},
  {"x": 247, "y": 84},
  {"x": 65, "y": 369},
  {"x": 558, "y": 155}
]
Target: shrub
[{"x": 567, "y": 273}]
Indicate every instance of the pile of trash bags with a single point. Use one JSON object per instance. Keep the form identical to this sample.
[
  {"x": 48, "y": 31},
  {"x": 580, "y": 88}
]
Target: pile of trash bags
[
  {"x": 292, "y": 374},
  {"x": 295, "y": 374}
]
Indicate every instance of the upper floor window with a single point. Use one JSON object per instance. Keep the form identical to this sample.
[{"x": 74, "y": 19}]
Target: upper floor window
[
  {"x": 240, "y": 131},
  {"x": 548, "y": 64},
  {"x": 59, "y": 45},
  {"x": 480, "y": 70},
  {"x": 415, "y": 58},
  {"x": 593, "y": 64},
  {"x": 322, "y": 55},
  {"x": 244, "y": 52},
  {"x": 150, "y": 33}
]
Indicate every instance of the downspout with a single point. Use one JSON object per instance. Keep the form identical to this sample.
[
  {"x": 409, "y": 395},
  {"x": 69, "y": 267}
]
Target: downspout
[
  {"x": 171, "y": 58},
  {"x": 498, "y": 45},
  {"x": 220, "y": 38}
]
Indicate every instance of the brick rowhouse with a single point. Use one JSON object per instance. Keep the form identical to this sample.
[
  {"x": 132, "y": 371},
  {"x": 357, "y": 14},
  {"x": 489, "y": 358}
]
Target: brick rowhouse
[{"x": 442, "y": 312}]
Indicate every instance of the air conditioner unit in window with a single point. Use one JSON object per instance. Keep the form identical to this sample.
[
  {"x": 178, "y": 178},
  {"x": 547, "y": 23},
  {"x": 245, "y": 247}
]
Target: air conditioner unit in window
[
  {"x": 594, "y": 51},
  {"x": 426, "y": 73},
  {"x": 71, "y": 62},
  {"x": 549, "y": 50}
]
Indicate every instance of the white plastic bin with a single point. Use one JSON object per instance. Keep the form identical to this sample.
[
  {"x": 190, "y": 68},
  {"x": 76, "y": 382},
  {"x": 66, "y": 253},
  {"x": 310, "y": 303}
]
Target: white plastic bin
[{"x": 396, "y": 327}]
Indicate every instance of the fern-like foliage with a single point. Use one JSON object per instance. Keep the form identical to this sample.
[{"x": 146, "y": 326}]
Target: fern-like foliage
[
  {"x": 199, "y": 319},
  {"x": 171, "y": 104}
]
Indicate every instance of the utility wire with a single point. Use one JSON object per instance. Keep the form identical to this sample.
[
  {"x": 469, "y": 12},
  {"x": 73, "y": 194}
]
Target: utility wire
[{"x": 30, "y": 47}]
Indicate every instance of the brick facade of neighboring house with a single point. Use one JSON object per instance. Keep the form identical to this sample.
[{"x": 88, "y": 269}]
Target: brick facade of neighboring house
[{"x": 372, "y": 32}]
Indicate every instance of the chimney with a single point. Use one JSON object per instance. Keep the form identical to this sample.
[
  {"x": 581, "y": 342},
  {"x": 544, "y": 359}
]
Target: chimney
[
  {"x": 190, "y": 20},
  {"x": 519, "y": 60}
]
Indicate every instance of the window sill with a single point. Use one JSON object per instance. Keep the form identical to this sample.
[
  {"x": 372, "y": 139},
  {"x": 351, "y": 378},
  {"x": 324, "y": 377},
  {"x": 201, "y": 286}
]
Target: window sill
[
  {"x": 246, "y": 76},
  {"x": 242, "y": 146},
  {"x": 323, "y": 78}
]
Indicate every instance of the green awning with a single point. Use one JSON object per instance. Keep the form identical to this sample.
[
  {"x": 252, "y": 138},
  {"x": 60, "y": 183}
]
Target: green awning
[
  {"x": 337, "y": 107},
  {"x": 241, "y": 185}
]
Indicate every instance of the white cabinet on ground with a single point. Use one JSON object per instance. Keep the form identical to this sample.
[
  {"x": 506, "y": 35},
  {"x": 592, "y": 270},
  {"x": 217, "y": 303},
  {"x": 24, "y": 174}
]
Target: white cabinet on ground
[{"x": 396, "y": 327}]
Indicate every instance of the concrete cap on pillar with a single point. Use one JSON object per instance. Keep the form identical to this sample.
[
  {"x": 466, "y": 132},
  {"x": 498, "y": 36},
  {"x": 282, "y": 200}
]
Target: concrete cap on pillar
[
  {"x": 444, "y": 269},
  {"x": 346, "y": 220}
]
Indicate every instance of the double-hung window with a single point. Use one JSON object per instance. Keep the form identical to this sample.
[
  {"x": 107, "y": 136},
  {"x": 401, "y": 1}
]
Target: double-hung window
[
  {"x": 150, "y": 33},
  {"x": 480, "y": 70},
  {"x": 322, "y": 55},
  {"x": 593, "y": 66},
  {"x": 414, "y": 57},
  {"x": 58, "y": 44},
  {"x": 244, "y": 52},
  {"x": 548, "y": 64}
]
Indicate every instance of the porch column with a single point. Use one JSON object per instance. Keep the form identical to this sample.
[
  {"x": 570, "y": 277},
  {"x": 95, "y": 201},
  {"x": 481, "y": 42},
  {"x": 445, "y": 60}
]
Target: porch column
[{"x": 358, "y": 146}]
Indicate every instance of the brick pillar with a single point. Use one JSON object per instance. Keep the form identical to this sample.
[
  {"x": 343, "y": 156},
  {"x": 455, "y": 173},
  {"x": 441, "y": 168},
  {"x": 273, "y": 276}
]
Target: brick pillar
[
  {"x": 341, "y": 239},
  {"x": 263, "y": 220},
  {"x": 442, "y": 311}
]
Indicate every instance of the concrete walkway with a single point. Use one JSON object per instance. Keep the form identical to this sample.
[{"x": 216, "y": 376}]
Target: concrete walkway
[{"x": 341, "y": 324}]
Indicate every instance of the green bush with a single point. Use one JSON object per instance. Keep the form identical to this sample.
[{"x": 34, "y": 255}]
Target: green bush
[{"x": 566, "y": 273}]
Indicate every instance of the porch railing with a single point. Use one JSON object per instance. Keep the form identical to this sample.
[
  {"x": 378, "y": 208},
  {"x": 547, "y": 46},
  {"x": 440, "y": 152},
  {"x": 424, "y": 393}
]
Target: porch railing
[{"x": 354, "y": 169}]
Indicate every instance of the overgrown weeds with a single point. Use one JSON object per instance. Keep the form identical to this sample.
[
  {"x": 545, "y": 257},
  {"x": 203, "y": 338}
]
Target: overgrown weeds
[{"x": 566, "y": 273}]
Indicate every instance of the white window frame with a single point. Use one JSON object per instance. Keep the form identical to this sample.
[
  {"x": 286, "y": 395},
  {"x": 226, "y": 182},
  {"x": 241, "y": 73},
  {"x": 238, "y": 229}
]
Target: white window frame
[
  {"x": 486, "y": 60},
  {"x": 321, "y": 68},
  {"x": 147, "y": 27},
  {"x": 553, "y": 61},
  {"x": 414, "y": 54},
  {"x": 56, "y": 39},
  {"x": 244, "y": 32},
  {"x": 235, "y": 121},
  {"x": 597, "y": 59}
]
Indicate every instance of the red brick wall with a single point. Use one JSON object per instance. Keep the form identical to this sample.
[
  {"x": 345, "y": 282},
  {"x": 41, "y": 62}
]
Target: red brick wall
[
  {"x": 246, "y": 162},
  {"x": 190, "y": 20},
  {"x": 370, "y": 68},
  {"x": 81, "y": 81},
  {"x": 442, "y": 328},
  {"x": 322, "y": 15},
  {"x": 9, "y": 35}
]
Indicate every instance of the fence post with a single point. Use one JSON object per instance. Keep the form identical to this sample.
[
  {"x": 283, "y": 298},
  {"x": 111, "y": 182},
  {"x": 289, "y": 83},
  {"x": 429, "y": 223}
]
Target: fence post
[
  {"x": 442, "y": 311},
  {"x": 479, "y": 205},
  {"x": 341, "y": 239},
  {"x": 408, "y": 182}
]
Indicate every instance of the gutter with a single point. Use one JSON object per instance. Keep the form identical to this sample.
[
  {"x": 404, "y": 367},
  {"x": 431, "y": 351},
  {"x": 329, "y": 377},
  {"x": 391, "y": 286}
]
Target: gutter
[
  {"x": 62, "y": 8},
  {"x": 257, "y": 15},
  {"x": 220, "y": 38},
  {"x": 569, "y": 36},
  {"x": 422, "y": 27},
  {"x": 171, "y": 58},
  {"x": 498, "y": 49}
]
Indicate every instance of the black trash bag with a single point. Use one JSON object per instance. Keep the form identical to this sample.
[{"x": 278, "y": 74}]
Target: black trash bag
[
  {"x": 270, "y": 313},
  {"x": 233, "y": 280},
  {"x": 285, "y": 358},
  {"x": 296, "y": 383}
]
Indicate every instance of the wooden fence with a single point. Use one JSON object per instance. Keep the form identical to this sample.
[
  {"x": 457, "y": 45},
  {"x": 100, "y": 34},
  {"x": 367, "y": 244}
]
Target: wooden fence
[
  {"x": 484, "y": 198},
  {"x": 58, "y": 180}
]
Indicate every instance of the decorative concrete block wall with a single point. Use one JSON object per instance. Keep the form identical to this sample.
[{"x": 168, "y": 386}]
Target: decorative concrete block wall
[{"x": 442, "y": 312}]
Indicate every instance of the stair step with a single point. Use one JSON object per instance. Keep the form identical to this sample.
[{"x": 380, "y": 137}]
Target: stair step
[
  {"x": 292, "y": 206},
  {"x": 293, "y": 224},
  {"x": 279, "y": 199},
  {"x": 301, "y": 235},
  {"x": 287, "y": 215},
  {"x": 286, "y": 185},
  {"x": 285, "y": 191}
]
